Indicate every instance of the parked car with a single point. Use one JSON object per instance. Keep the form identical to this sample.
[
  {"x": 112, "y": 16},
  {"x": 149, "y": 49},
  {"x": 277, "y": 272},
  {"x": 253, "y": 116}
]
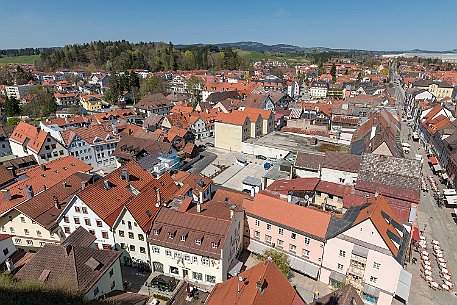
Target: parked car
[
  {"x": 209, "y": 144},
  {"x": 164, "y": 283},
  {"x": 260, "y": 157}
]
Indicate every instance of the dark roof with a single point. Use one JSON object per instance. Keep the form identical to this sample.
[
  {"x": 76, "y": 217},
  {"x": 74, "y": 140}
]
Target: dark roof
[
  {"x": 220, "y": 96},
  {"x": 196, "y": 226},
  {"x": 309, "y": 161},
  {"x": 80, "y": 237},
  {"x": 390, "y": 176},
  {"x": 52, "y": 265},
  {"x": 154, "y": 101},
  {"x": 343, "y": 162}
]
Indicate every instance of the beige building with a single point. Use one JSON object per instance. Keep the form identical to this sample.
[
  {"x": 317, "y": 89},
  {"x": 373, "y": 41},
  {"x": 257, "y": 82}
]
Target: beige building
[
  {"x": 438, "y": 88},
  {"x": 231, "y": 129}
]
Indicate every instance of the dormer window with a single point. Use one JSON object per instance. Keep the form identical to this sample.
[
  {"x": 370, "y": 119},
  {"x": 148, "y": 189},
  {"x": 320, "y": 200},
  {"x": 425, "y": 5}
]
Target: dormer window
[
  {"x": 171, "y": 234},
  {"x": 156, "y": 232},
  {"x": 198, "y": 241},
  {"x": 214, "y": 245},
  {"x": 183, "y": 238}
]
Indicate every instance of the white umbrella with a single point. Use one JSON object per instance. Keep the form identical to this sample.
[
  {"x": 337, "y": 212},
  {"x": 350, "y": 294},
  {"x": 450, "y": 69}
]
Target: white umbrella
[
  {"x": 426, "y": 267},
  {"x": 448, "y": 283},
  {"x": 443, "y": 265},
  {"x": 427, "y": 272},
  {"x": 439, "y": 254},
  {"x": 427, "y": 263},
  {"x": 441, "y": 260},
  {"x": 422, "y": 237},
  {"x": 428, "y": 278},
  {"x": 435, "y": 242},
  {"x": 447, "y": 277},
  {"x": 425, "y": 253},
  {"x": 445, "y": 271}
]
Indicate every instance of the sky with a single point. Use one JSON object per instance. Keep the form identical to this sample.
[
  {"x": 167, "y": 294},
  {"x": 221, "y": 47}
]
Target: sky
[{"x": 352, "y": 24}]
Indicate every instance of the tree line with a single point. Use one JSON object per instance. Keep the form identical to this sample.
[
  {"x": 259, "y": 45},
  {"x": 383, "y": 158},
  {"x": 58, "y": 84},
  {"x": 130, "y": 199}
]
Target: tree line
[{"x": 123, "y": 55}]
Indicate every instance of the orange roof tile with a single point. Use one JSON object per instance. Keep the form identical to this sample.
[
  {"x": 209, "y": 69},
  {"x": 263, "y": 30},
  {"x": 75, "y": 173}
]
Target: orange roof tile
[
  {"x": 22, "y": 132},
  {"x": 276, "y": 288},
  {"x": 304, "y": 219}
]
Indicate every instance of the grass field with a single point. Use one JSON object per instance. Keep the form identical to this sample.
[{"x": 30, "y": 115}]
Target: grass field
[
  {"x": 30, "y": 59},
  {"x": 255, "y": 56}
]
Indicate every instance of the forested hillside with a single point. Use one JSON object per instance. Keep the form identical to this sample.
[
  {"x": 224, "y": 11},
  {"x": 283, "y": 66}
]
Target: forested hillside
[{"x": 123, "y": 55}]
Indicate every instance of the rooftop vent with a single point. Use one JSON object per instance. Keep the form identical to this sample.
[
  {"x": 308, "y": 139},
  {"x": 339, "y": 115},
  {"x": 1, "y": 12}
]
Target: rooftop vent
[{"x": 106, "y": 184}]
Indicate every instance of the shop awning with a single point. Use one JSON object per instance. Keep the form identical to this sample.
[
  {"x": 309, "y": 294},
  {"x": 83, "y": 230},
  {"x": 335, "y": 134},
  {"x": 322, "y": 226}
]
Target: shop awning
[
  {"x": 416, "y": 233},
  {"x": 235, "y": 267},
  {"x": 404, "y": 285},
  {"x": 433, "y": 160}
]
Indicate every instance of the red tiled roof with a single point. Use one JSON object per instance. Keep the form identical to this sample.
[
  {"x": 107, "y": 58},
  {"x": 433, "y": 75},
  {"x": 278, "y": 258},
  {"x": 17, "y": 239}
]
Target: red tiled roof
[
  {"x": 235, "y": 117},
  {"x": 297, "y": 184},
  {"x": 276, "y": 288},
  {"x": 22, "y": 132},
  {"x": 304, "y": 219},
  {"x": 54, "y": 172},
  {"x": 36, "y": 144}
]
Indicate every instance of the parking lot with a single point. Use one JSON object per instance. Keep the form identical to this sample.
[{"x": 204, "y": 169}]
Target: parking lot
[{"x": 230, "y": 174}]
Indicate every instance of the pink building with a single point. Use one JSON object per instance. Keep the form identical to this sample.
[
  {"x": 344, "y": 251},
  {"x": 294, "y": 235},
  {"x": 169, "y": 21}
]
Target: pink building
[
  {"x": 298, "y": 231},
  {"x": 367, "y": 248}
]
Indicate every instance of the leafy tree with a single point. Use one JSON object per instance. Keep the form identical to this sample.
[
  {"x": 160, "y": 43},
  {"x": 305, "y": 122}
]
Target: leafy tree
[
  {"x": 40, "y": 104},
  {"x": 195, "y": 86},
  {"x": 333, "y": 72},
  {"x": 22, "y": 77},
  {"x": 12, "y": 121},
  {"x": 152, "y": 85},
  {"x": 11, "y": 106},
  {"x": 279, "y": 258}
]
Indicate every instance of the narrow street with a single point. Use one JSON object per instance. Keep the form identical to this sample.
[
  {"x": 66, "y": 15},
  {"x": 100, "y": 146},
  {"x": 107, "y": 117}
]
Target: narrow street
[{"x": 436, "y": 223}]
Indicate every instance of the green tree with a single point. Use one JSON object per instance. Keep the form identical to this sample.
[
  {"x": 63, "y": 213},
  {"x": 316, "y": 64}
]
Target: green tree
[
  {"x": 279, "y": 258},
  {"x": 195, "y": 86},
  {"x": 41, "y": 104},
  {"x": 13, "y": 121},
  {"x": 11, "y": 106},
  {"x": 22, "y": 77},
  {"x": 333, "y": 72},
  {"x": 152, "y": 85}
]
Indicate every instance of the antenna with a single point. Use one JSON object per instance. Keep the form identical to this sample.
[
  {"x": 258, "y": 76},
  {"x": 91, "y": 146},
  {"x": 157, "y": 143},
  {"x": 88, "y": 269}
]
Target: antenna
[{"x": 240, "y": 279}]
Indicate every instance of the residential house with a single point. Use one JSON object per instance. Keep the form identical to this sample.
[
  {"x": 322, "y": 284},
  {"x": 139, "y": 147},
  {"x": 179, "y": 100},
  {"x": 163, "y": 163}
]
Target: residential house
[
  {"x": 298, "y": 231},
  {"x": 198, "y": 187},
  {"x": 346, "y": 295},
  {"x": 259, "y": 101},
  {"x": 439, "y": 89},
  {"x": 261, "y": 284},
  {"x": 367, "y": 248},
  {"x": 196, "y": 247},
  {"x": 90, "y": 271},
  {"x": 154, "y": 104},
  {"x": 33, "y": 221},
  {"x": 93, "y": 207},
  {"x": 65, "y": 98},
  {"x": 91, "y": 102},
  {"x": 28, "y": 140},
  {"x": 318, "y": 89},
  {"x": 18, "y": 91},
  {"x": 94, "y": 144}
]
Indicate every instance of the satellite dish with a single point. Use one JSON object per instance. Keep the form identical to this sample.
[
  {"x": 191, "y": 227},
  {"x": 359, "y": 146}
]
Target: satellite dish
[{"x": 306, "y": 196}]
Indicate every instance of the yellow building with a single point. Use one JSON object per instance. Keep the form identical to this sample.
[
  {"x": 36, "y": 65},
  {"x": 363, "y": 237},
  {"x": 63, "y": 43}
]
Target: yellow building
[
  {"x": 91, "y": 102},
  {"x": 439, "y": 89}
]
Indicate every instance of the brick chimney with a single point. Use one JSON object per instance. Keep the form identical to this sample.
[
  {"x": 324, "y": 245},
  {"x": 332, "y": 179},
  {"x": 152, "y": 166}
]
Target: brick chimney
[{"x": 6, "y": 194}]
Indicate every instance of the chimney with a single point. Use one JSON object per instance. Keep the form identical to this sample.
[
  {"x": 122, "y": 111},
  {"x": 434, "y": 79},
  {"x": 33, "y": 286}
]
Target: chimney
[
  {"x": 376, "y": 195},
  {"x": 232, "y": 211},
  {"x": 199, "y": 207},
  {"x": 159, "y": 199},
  {"x": 289, "y": 197},
  {"x": 56, "y": 202},
  {"x": 6, "y": 194},
  {"x": 28, "y": 191},
  {"x": 125, "y": 174},
  {"x": 200, "y": 197},
  {"x": 64, "y": 184},
  {"x": 67, "y": 247},
  {"x": 43, "y": 187},
  {"x": 83, "y": 185},
  {"x": 43, "y": 167},
  {"x": 260, "y": 285},
  {"x": 106, "y": 184}
]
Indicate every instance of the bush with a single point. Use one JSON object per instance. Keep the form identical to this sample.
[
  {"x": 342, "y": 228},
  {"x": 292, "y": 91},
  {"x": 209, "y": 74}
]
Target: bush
[{"x": 279, "y": 258}]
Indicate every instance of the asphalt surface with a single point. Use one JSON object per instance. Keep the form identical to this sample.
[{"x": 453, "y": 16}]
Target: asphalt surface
[{"x": 200, "y": 165}]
